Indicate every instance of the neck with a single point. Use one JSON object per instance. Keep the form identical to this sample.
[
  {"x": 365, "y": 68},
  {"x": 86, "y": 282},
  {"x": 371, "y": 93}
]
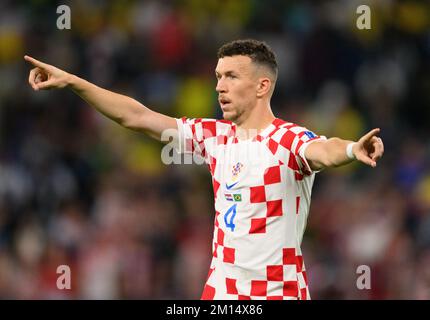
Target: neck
[{"x": 259, "y": 118}]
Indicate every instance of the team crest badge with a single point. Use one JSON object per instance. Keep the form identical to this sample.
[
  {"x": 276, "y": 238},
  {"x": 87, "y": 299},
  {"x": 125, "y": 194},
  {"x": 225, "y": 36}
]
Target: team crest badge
[{"x": 236, "y": 170}]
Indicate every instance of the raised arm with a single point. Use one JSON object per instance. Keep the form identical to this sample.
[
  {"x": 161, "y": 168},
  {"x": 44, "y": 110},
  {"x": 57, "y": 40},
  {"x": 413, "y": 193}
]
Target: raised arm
[
  {"x": 122, "y": 109},
  {"x": 334, "y": 151}
]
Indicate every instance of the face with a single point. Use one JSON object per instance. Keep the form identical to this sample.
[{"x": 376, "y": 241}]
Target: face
[{"x": 236, "y": 87}]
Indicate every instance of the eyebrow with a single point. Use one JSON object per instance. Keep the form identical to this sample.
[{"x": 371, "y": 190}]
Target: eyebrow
[{"x": 227, "y": 73}]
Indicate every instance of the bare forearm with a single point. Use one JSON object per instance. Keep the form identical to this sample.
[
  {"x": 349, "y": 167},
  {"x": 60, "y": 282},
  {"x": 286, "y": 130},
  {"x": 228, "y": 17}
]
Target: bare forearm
[
  {"x": 329, "y": 153},
  {"x": 336, "y": 152},
  {"x": 118, "y": 107}
]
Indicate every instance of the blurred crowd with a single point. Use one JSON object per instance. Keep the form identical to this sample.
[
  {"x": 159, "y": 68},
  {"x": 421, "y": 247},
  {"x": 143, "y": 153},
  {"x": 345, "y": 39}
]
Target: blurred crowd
[{"x": 77, "y": 189}]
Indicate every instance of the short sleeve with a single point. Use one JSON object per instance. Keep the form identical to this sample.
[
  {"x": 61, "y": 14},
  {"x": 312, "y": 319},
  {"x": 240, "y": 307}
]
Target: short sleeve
[
  {"x": 195, "y": 135},
  {"x": 296, "y": 139},
  {"x": 302, "y": 140}
]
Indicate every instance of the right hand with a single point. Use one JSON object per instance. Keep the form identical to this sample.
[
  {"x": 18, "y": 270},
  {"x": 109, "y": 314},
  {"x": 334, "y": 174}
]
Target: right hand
[
  {"x": 45, "y": 76},
  {"x": 369, "y": 149}
]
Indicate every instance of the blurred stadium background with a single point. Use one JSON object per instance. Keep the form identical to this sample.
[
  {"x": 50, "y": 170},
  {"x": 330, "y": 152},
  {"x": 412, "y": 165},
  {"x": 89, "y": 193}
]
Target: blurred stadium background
[{"x": 77, "y": 189}]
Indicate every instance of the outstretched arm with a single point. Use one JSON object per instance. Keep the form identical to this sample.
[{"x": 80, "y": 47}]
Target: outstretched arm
[
  {"x": 333, "y": 152},
  {"x": 122, "y": 109}
]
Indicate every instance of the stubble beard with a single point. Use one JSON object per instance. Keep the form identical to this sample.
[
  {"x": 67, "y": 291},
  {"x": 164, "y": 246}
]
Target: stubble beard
[{"x": 233, "y": 115}]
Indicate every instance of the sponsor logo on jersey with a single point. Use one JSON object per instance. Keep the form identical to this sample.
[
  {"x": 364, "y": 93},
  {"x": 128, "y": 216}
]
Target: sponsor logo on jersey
[{"x": 228, "y": 187}]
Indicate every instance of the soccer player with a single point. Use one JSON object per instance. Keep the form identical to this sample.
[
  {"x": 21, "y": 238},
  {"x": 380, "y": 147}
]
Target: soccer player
[{"x": 262, "y": 168}]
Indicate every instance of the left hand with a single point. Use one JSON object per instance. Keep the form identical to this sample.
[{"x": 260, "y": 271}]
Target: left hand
[{"x": 369, "y": 149}]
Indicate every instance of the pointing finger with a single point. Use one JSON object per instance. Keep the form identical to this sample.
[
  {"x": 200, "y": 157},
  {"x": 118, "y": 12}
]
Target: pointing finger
[
  {"x": 370, "y": 134},
  {"x": 36, "y": 62}
]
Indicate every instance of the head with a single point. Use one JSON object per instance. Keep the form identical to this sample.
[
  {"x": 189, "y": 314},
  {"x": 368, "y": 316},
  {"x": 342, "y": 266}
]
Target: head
[{"x": 246, "y": 74}]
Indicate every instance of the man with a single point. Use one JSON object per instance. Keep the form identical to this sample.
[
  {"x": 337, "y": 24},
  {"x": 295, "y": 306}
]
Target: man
[{"x": 262, "y": 169}]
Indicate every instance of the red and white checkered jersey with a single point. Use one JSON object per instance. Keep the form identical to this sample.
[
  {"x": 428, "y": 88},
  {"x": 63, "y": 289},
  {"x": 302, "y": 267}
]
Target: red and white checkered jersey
[{"x": 262, "y": 189}]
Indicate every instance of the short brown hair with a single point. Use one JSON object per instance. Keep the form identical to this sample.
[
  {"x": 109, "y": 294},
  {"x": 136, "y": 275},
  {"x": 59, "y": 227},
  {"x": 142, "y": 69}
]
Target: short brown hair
[{"x": 258, "y": 51}]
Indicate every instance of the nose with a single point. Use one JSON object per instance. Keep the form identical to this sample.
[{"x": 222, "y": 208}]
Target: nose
[{"x": 220, "y": 86}]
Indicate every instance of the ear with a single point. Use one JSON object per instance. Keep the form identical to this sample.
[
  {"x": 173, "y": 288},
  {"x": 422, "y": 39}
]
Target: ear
[{"x": 263, "y": 87}]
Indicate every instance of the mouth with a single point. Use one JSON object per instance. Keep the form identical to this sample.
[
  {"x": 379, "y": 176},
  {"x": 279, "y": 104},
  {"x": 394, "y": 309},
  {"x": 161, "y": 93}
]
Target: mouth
[{"x": 224, "y": 103}]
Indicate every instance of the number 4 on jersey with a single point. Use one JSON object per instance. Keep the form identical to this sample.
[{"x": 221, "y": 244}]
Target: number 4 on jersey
[{"x": 231, "y": 212}]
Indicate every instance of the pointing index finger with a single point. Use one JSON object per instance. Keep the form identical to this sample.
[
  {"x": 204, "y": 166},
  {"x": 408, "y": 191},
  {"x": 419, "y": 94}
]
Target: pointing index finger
[
  {"x": 36, "y": 62},
  {"x": 371, "y": 133}
]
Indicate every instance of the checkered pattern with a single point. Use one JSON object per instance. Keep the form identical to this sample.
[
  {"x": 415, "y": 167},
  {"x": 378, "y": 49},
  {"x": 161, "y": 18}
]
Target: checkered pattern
[
  {"x": 256, "y": 250},
  {"x": 290, "y": 137},
  {"x": 196, "y": 133},
  {"x": 274, "y": 286},
  {"x": 226, "y": 254}
]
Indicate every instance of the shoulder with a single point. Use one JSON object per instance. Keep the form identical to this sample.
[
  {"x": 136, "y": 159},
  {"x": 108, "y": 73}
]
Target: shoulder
[
  {"x": 285, "y": 132},
  {"x": 291, "y": 136},
  {"x": 206, "y": 127},
  {"x": 285, "y": 126}
]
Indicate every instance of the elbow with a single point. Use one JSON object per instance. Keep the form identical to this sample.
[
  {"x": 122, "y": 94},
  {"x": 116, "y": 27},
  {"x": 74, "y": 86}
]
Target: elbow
[
  {"x": 325, "y": 160},
  {"x": 123, "y": 121},
  {"x": 319, "y": 164},
  {"x": 134, "y": 121},
  {"x": 324, "y": 163},
  {"x": 126, "y": 123},
  {"x": 134, "y": 117},
  {"x": 330, "y": 162},
  {"x": 129, "y": 123}
]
